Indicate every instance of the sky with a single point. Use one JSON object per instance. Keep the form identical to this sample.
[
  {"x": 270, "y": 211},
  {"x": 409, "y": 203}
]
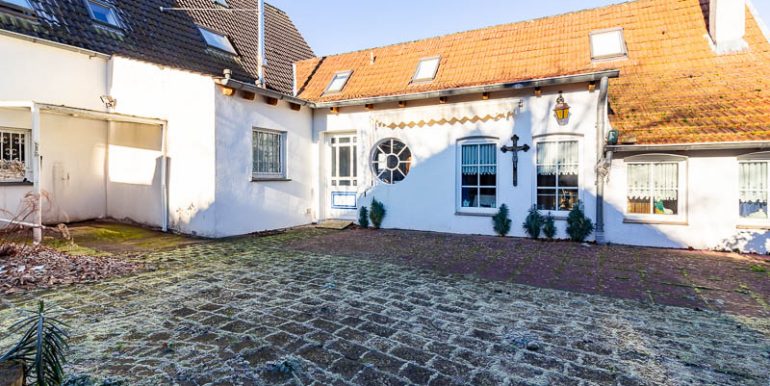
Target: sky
[{"x": 337, "y": 26}]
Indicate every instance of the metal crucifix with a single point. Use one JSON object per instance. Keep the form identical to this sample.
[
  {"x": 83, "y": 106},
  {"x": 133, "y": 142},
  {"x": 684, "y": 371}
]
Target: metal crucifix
[{"x": 515, "y": 148}]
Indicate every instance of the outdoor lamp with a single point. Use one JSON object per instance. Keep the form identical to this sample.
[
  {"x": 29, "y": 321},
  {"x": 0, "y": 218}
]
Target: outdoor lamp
[{"x": 561, "y": 110}]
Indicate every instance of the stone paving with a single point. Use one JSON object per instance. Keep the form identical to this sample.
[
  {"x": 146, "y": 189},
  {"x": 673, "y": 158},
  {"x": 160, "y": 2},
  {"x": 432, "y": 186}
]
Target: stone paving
[{"x": 253, "y": 311}]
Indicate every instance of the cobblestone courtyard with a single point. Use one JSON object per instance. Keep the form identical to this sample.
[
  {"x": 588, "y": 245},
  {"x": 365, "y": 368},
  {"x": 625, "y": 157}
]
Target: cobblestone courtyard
[{"x": 219, "y": 313}]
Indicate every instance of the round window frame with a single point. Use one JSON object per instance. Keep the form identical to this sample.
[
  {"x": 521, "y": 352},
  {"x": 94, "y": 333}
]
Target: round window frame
[{"x": 372, "y": 162}]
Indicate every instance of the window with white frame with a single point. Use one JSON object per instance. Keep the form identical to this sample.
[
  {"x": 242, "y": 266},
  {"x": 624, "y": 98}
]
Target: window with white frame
[
  {"x": 426, "y": 69},
  {"x": 13, "y": 155},
  {"x": 338, "y": 82},
  {"x": 217, "y": 40},
  {"x": 608, "y": 44},
  {"x": 344, "y": 163},
  {"x": 478, "y": 175},
  {"x": 654, "y": 186},
  {"x": 752, "y": 189},
  {"x": 558, "y": 170},
  {"x": 103, "y": 13},
  {"x": 269, "y": 154},
  {"x": 391, "y": 161}
]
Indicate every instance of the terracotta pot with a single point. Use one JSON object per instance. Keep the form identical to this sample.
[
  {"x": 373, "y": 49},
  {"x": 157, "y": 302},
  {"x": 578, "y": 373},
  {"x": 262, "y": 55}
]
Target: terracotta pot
[{"x": 11, "y": 374}]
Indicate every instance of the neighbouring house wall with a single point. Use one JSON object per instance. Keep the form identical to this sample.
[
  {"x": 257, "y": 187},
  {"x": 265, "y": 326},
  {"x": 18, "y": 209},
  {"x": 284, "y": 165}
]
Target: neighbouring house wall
[
  {"x": 134, "y": 173},
  {"x": 187, "y": 102},
  {"x": 711, "y": 219},
  {"x": 427, "y": 198},
  {"x": 245, "y": 206},
  {"x": 37, "y": 72}
]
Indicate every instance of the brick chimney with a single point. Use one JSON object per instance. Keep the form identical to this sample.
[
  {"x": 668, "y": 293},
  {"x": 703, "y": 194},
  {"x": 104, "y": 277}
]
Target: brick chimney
[{"x": 727, "y": 25}]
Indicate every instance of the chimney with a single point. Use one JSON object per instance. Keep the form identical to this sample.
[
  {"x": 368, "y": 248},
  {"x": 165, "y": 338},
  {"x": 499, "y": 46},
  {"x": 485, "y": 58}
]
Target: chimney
[{"x": 727, "y": 25}]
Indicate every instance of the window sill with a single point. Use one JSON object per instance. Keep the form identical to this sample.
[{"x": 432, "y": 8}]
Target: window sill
[
  {"x": 753, "y": 226},
  {"x": 270, "y": 179},
  {"x": 654, "y": 221},
  {"x": 16, "y": 183},
  {"x": 475, "y": 214}
]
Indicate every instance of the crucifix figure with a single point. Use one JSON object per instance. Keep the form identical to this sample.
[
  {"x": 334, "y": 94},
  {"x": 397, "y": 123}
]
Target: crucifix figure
[{"x": 515, "y": 148}]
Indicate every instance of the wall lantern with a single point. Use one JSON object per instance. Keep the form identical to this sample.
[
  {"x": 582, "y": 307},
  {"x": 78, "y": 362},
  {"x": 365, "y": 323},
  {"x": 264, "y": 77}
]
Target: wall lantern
[{"x": 561, "y": 110}]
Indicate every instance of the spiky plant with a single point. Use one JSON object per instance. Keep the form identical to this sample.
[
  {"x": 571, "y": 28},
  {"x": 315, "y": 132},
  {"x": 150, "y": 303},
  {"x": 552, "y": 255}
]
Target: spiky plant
[
  {"x": 42, "y": 348},
  {"x": 533, "y": 223},
  {"x": 549, "y": 226},
  {"x": 500, "y": 221},
  {"x": 377, "y": 213},
  {"x": 363, "y": 217}
]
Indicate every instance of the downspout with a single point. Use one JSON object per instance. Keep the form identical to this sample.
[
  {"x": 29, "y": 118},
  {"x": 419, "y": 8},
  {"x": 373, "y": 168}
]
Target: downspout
[
  {"x": 37, "y": 231},
  {"x": 163, "y": 176},
  {"x": 261, "y": 38},
  {"x": 603, "y": 159}
]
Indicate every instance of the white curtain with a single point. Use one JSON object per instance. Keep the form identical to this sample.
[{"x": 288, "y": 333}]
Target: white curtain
[
  {"x": 753, "y": 181},
  {"x": 664, "y": 184},
  {"x": 267, "y": 152},
  {"x": 558, "y": 157},
  {"x": 479, "y": 159}
]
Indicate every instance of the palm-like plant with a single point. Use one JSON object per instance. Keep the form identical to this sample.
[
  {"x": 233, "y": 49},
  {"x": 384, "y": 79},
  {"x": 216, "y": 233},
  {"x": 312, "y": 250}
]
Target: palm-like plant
[{"x": 41, "y": 349}]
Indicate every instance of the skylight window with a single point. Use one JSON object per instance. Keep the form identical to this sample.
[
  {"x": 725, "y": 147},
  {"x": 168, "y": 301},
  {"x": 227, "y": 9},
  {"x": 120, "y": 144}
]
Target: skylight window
[
  {"x": 608, "y": 44},
  {"x": 221, "y": 2},
  {"x": 17, "y": 3},
  {"x": 338, "y": 82},
  {"x": 426, "y": 69},
  {"x": 217, "y": 40},
  {"x": 103, "y": 13}
]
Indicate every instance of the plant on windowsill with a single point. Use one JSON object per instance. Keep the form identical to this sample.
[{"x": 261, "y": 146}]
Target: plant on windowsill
[
  {"x": 579, "y": 226},
  {"x": 41, "y": 349},
  {"x": 549, "y": 226},
  {"x": 363, "y": 217},
  {"x": 377, "y": 213},
  {"x": 533, "y": 223},
  {"x": 501, "y": 222}
]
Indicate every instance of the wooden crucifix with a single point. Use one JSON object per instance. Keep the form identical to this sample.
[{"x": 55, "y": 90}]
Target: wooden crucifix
[{"x": 515, "y": 148}]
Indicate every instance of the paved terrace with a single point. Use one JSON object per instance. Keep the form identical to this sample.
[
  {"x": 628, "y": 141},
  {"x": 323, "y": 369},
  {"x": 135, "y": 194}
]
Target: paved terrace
[{"x": 219, "y": 313}]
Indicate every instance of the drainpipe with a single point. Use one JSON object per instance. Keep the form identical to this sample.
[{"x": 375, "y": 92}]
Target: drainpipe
[
  {"x": 37, "y": 231},
  {"x": 601, "y": 162},
  {"x": 261, "y": 38}
]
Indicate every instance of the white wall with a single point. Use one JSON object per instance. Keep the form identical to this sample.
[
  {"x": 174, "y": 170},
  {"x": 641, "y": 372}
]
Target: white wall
[
  {"x": 245, "y": 206},
  {"x": 711, "y": 217},
  {"x": 45, "y": 74},
  {"x": 426, "y": 199},
  {"x": 187, "y": 101}
]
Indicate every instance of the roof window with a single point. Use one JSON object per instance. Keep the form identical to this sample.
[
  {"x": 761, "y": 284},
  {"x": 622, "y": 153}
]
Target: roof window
[
  {"x": 103, "y": 13},
  {"x": 339, "y": 80},
  {"x": 19, "y": 4},
  {"x": 221, "y": 2},
  {"x": 608, "y": 44},
  {"x": 217, "y": 40},
  {"x": 426, "y": 69}
]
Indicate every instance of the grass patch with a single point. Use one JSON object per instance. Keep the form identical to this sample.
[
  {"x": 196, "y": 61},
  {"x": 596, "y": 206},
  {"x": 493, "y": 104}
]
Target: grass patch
[{"x": 758, "y": 268}]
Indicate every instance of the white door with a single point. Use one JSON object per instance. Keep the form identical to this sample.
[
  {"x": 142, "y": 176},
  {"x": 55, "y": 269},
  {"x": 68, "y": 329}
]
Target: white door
[{"x": 342, "y": 176}]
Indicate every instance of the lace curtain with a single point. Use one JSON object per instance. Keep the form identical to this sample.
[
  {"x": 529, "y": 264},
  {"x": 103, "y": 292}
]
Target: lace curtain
[
  {"x": 480, "y": 159},
  {"x": 558, "y": 157},
  {"x": 753, "y": 181},
  {"x": 663, "y": 186}
]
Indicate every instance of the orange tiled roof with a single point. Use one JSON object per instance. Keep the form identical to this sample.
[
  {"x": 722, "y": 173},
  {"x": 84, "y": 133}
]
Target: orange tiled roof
[{"x": 672, "y": 88}]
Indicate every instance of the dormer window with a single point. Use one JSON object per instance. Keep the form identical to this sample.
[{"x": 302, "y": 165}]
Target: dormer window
[
  {"x": 22, "y": 5},
  {"x": 103, "y": 13},
  {"x": 426, "y": 69},
  {"x": 217, "y": 40},
  {"x": 339, "y": 80},
  {"x": 608, "y": 44},
  {"x": 221, "y": 2}
]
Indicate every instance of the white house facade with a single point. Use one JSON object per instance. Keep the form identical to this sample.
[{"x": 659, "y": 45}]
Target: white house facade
[{"x": 196, "y": 145}]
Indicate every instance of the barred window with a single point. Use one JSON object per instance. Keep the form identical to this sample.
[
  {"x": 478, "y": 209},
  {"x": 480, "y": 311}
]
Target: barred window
[
  {"x": 269, "y": 150},
  {"x": 13, "y": 154}
]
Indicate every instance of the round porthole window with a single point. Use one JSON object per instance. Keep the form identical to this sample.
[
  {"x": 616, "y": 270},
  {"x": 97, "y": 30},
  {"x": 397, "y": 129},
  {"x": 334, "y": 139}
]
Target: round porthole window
[{"x": 391, "y": 160}]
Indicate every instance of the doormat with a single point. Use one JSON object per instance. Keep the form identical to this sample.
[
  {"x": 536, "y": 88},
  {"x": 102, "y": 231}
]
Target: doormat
[{"x": 335, "y": 224}]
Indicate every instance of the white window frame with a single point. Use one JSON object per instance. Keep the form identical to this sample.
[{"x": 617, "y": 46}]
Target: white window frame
[
  {"x": 682, "y": 189},
  {"x": 229, "y": 48},
  {"x": 334, "y": 147},
  {"x": 422, "y": 62},
  {"x": 371, "y": 160},
  {"x": 477, "y": 211},
  {"x": 27, "y": 155},
  {"x": 346, "y": 74},
  {"x": 581, "y": 175},
  {"x": 261, "y": 176},
  {"x": 608, "y": 57},
  {"x": 753, "y": 157},
  {"x": 118, "y": 22}
]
